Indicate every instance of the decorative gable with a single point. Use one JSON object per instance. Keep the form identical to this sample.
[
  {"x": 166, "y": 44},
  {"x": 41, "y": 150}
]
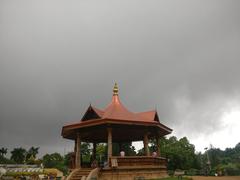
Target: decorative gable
[
  {"x": 91, "y": 113},
  {"x": 156, "y": 118}
]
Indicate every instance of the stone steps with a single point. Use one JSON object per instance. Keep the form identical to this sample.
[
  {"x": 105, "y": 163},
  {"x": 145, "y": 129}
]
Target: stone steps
[{"x": 80, "y": 173}]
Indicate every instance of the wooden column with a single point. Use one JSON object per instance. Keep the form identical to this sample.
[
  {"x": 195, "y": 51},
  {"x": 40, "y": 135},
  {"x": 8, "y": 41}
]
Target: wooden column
[
  {"x": 145, "y": 143},
  {"x": 109, "y": 130},
  {"x": 94, "y": 150},
  {"x": 78, "y": 151},
  {"x": 73, "y": 164},
  {"x": 158, "y": 146}
]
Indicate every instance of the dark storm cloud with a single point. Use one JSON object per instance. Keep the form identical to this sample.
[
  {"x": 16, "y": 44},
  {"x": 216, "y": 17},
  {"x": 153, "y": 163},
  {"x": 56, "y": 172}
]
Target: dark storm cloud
[{"x": 181, "y": 57}]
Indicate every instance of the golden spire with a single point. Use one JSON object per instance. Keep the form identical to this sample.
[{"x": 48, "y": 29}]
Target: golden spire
[{"x": 115, "y": 90}]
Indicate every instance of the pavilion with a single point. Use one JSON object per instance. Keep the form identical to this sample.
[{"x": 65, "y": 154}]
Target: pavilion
[{"x": 116, "y": 124}]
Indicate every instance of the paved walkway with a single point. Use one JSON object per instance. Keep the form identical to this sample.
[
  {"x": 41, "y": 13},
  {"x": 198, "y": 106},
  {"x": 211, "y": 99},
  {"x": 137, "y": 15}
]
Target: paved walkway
[{"x": 216, "y": 178}]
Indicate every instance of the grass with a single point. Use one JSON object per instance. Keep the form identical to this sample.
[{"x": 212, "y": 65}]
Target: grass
[{"x": 173, "y": 178}]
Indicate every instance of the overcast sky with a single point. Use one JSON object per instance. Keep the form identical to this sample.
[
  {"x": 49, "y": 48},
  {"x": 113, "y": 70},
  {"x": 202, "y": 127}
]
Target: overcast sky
[{"x": 181, "y": 57}]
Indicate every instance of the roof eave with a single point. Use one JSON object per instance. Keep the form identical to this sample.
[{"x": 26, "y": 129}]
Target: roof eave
[{"x": 97, "y": 122}]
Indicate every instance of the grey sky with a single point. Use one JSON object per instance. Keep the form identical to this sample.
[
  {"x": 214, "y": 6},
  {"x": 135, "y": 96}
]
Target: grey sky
[{"x": 181, "y": 57}]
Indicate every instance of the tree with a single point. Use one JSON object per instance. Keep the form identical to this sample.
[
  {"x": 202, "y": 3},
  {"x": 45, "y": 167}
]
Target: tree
[
  {"x": 52, "y": 160},
  {"x": 179, "y": 153},
  {"x": 227, "y": 160},
  {"x": 18, "y": 155},
  {"x": 3, "y": 151},
  {"x": 101, "y": 152},
  {"x": 85, "y": 148},
  {"x": 67, "y": 159},
  {"x": 85, "y": 152},
  {"x": 55, "y": 160},
  {"x": 129, "y": 149},
  {"x": 32, "y": 153},
  {"x": 3, "y": 159}
]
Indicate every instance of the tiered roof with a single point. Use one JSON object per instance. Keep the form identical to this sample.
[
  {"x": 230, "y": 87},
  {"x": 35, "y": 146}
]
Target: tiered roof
[{"x": 117, "y": 113}]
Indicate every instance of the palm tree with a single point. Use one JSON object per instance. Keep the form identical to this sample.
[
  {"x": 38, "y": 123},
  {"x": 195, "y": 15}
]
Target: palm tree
[
  {"x": 3, "y": 151},
  {"x": 32, "y": 152},
  {"x": 18, "y": 155}
]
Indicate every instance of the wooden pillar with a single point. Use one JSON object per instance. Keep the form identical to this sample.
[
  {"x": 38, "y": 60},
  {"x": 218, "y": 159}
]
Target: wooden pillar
[
  {"x": 158, "y": 146},
  {"x": 75, "y": 146},
  {"x": 94, "y": 150},
  {"x": 73, "y": 159},
  {"x": 145, "y": 143},
  {"x": 78, "y": 151},
  {"x": 109, "y": 130}
]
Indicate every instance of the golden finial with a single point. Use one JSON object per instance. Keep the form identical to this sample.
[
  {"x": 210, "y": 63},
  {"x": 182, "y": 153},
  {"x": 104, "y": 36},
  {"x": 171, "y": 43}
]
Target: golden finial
[{"x": 115, "y": 90}]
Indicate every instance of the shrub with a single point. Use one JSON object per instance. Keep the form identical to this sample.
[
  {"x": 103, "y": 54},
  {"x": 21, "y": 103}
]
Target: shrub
[
  {"x": 192, "y": 172},
  {"x": 4, "y": 160},
  {"x": 230, "y": 169},
  {"x": 170, "y": 172}
]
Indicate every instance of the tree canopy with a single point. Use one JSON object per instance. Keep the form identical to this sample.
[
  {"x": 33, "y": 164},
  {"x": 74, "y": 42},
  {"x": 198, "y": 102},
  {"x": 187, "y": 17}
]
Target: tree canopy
[
  {"x": 180, "y": 154},
  {"x": 18, "y": 155}
]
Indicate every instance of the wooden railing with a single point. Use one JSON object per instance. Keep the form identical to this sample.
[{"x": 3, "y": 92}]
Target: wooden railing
[
  {"x": 93, "y": 174},
  {"x": 139, "y": 161}
]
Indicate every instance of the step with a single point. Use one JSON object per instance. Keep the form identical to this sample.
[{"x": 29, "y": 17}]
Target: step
[{"x": 80, "y": 173}]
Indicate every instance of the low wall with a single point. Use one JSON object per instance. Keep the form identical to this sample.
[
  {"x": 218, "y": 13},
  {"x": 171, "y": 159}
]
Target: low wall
[
  {"x": 134, "y": 167},
  {"x": 132, "y": 173},
  {"x": 139, "y": 161}
]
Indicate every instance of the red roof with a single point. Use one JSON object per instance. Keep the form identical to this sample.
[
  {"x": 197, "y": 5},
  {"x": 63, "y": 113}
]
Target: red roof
[
  {"x": 116, "y": 110},
  {"x": 116, "y": 113}
]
